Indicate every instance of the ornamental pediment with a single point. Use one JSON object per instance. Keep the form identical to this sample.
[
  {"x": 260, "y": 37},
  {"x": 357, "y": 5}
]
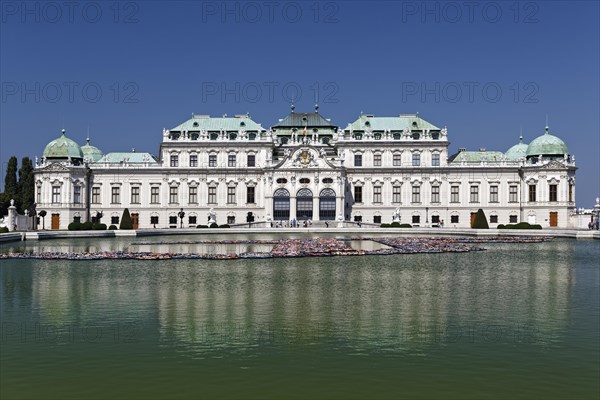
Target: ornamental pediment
[
  {"x": 305, "y": 157},
  {"x": 54, "y": 167}
]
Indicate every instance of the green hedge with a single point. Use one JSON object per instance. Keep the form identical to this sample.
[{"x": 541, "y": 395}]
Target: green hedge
[
  {"x": 405, "y": 226},
  {"x": 87, "y": 226},
  {"x": 224, "y": 226},
  {"x": 99, "y": 227},
  {"x": 112, "y": 228},
  {"x": 214, "y": 225},
  {"x": 520, "y": 225},
  {"x": 202, "y": 226},
  {"x": 126, "y": 221},
  {"x": 4, "y": 229},
  {"x": 385, "y": 225},
  {"x": 74, "y": 226}
]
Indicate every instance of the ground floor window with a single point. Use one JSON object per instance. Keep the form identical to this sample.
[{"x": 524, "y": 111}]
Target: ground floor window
[
  {"x": 493, "y": 219},
  {"x": 512, "y": 219},
  {"x": 281, "y": 205},
  {"x": 154, "y": 219},
  {"x": 173, "y": 220},
  {"x": 77, "y": 220},
  {"x": 416, "y": 219},
  {"x": 454, "y": 219},
  {"x": 114, "y": 220},
  {"x": 192, "y": 220},
  {"x": 358, "y": 218},
  {"x": 327, "y": 205},
  {"x": 230, "y": 219},
  {"x": 435, "y": 219},
  {"x": 377, "y": 219}
]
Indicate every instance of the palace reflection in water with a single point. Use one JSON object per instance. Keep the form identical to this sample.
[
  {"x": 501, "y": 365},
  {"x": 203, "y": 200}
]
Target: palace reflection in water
[{"x": 394, "y": 303}]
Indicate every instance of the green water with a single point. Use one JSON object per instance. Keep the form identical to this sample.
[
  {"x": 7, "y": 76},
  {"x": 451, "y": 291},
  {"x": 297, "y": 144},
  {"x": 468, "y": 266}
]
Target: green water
[{"x": 516, "y": 321}]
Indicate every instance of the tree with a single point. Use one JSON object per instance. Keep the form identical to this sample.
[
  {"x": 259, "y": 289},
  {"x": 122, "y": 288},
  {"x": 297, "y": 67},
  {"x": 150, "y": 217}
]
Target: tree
[
  {"x": 11, "y": 186},
  {"x": 26, "y": 186},
  {"x": 480, "y": 221},
  {"x": 126, "y": 222},
  {"x": 43, "y": 215}
]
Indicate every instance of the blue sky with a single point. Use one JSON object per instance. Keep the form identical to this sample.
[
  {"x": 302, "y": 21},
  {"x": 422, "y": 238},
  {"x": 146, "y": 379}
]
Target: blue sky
[{"x": 127, "y": 70}]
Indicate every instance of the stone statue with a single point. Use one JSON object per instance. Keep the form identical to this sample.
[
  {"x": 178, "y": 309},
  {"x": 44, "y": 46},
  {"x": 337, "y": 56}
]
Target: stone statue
[
  {"x": 212, "y": 216},
  {"x": 12, "y": 202},
  {"x": 396, "y": 215}
]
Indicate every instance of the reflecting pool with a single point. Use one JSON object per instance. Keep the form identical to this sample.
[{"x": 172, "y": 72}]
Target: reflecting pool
[{"x": 515, "y": 321}]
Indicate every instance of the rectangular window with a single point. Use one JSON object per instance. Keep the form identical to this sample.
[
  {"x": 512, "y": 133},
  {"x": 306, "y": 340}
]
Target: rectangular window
[
  {"x": 154, "y": 219},
  {"x": 512, "y": 219},
  {"x": 358, "y": 160},
  {"x": 77, "y": 194},
  {"x": 377, "y": 160},
  {"x": 416, "y": 159},
  {"x": 192, "y": 220},
  {"x": 435, "y": 219},
  {"x": 474, "y": 194},
  {"x": 454, "y": 219},
  {"x": 416, "y": 219},
  {"x": 570, "y": 193},
  {"x": 77, "y": 219},
  {"x": 493, "y": 219},
  {"x": 115, "y": 197},
  {"x": 173, "y": 195},
  {"x": 231, "y": 160},
  {"x": 114, "y": 220},
  {"x": 513, "y": 195},
  {"x": 96, "y": 195},
  {"x": 377, "y": 219},
  {"x": 553, "y": 194},
  {"x": 532, "y": 192},
  {"x": 251, "y": 160},
  {"x": 212, "y": 160},
  {"x": 174, "y": 160},
  {"x": 173, "y": 220},
  {"x": 193, "y": 195},
  {"x": 250, "y": 195},
  {"x": 231, "y": 195},
  {"x": 212, "y": 195},
  {"x": 135, "y": 195},
  {"x": 493, "y": 194},
  {"x": 358, "y": 218},
  {"x": 154, "y": 195},
  {"x": 376, "y": 194},
  {"x": 39, "y": 195},
  {"x": 435, "y": 194},
  {"x": 397, "y": 159},
  {"x": 230, "y": 220},
  {"x": 56, "y": 194},
  {"x": 358, "y": 194},
  {"x": 396, "y": 194},
  {"x": 193, "y": 160},
  {"x": 416, "y": 194},
  {"x": 454, "y": 194},
  {"x": 435, "y": 159}
]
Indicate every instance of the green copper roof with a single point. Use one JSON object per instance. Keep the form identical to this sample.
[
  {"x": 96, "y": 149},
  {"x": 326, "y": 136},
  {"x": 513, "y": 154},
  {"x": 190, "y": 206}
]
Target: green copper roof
[
  {"x": 300, "y": 120},
  {"x": 90, "y": 152},
  {"x": 207, "y": 123},
  {"x": 517, "y": 152},
  {"x": 128, "y": 157},
  {"x": 547, "y": 144},
  {"x": 63, "y": 147},
  {"x": 412, "y": 122},
  {"x": 477, "y": 156}
]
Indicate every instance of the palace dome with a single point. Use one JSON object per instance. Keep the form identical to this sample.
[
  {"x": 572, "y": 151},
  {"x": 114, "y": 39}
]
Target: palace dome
[
  {"x": 63, "y": 147},
  {"x": 547, "y": 144},
  {"x": 91, "y": 153},
  {"x": 517, "y": 152}
]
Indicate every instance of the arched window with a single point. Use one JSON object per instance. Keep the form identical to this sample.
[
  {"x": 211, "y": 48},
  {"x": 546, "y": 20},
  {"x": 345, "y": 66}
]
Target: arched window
[
  {"x": 327, "y": 205},
  {"x": 281, "y": 205},
  {"x": 304, "y": 204}
]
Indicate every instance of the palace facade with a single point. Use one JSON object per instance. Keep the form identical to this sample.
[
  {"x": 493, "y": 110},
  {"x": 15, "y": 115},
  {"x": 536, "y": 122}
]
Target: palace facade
[{"x": 375, "y": 170}]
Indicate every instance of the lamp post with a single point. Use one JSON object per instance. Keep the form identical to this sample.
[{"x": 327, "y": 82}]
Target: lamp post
[{"x": 181, "y": 214}]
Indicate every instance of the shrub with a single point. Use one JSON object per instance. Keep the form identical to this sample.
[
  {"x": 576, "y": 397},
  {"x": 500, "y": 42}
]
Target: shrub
[
  {"x": 74, "y": 226},
  {"x": 224, "y": 226},
  {"x": 405, "y": 226},
  {"x": 126, "y": 222},
  {"x": 99, "y": 227},
  {"x": 87, "y": 226},
  {"x": 536, "y": 226},
  {"x": 112, "y": 228},
  {"x": 395, "y": 225},
  {"x": 480, "y": 221},
  {"x": 500, "y": 226},
  {"x": 202, "y": 226},
  {"x": 4, "y": 229},
  {"x": 521, "y": 225},
  {"x": 385, "y": 225},
  {"x": 214, "y": 225}
]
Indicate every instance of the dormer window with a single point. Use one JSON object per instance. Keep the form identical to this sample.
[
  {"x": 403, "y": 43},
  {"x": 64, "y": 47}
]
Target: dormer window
[
  {"x": 242, "y": 124},
  {"x": 195, "y": 124}
]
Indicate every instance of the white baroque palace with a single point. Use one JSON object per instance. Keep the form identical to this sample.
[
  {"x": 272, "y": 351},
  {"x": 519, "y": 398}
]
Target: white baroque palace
[{"x": 231, "y": 170}]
